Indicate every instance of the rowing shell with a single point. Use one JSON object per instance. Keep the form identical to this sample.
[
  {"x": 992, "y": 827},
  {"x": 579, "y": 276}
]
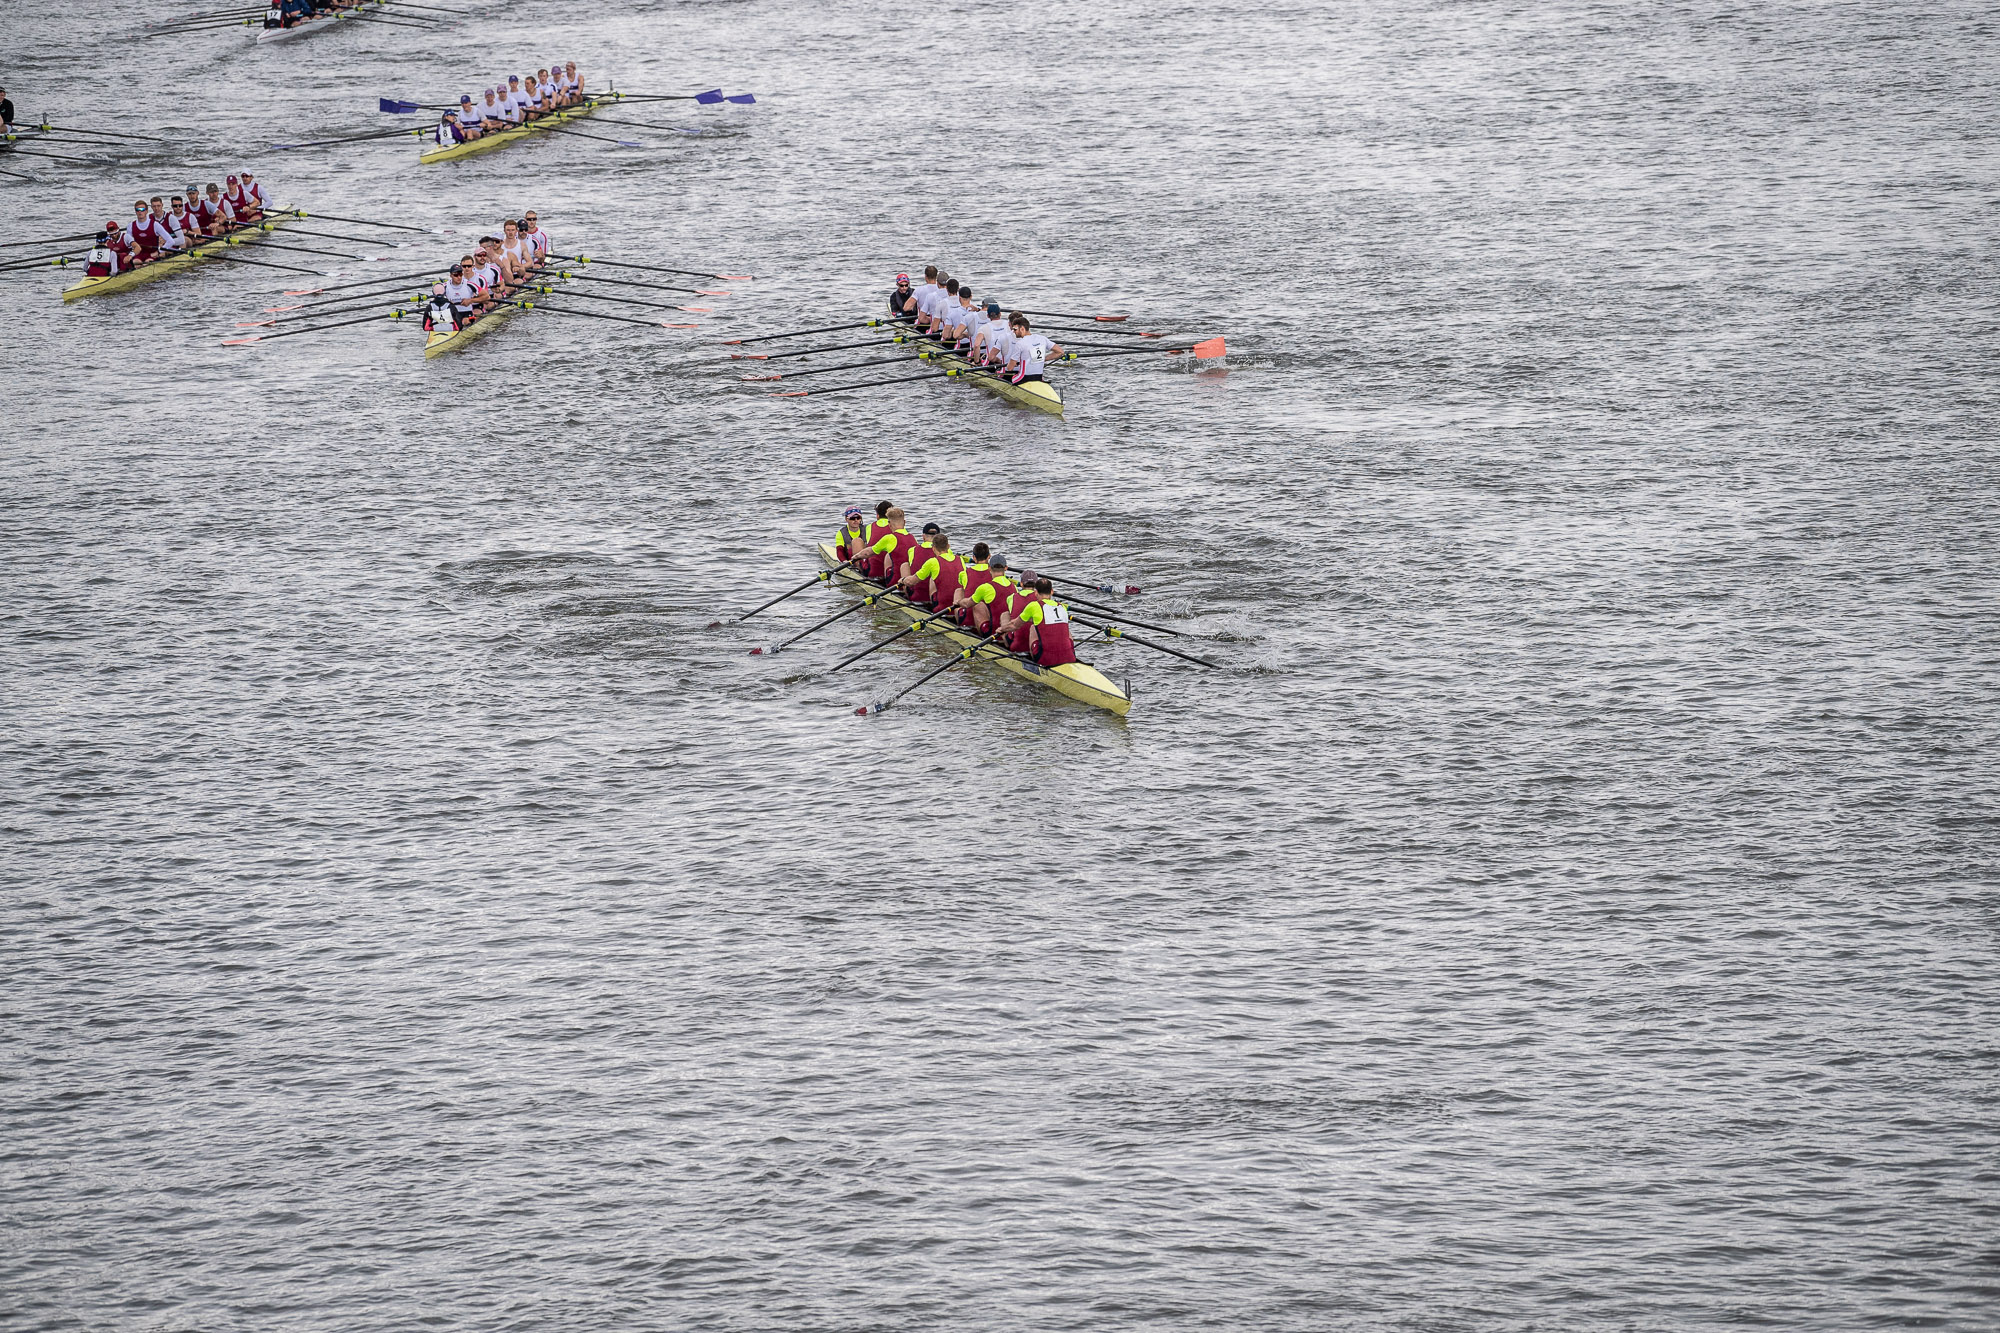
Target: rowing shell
[
  {"x": 172, "y": 264},
  {"x": 308, "y": 26},
  {"x": 501, "y": 138},
  {"x": 1079, "y": 680},
  {"x": 1038, "y": 394},
  {"x": 440, "y": 343}
]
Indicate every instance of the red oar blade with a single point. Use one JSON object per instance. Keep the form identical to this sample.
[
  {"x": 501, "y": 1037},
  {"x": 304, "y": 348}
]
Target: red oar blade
[{"x": 1210, "y": 349}]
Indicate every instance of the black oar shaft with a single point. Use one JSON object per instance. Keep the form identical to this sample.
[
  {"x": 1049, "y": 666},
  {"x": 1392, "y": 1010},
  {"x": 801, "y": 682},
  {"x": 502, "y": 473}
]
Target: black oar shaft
[
  {"x": 865, "y": 384},
  {"x": 962, "y": 655},
  {"x": 861, "y": 605},
  {"x": 826, "y": 370},
  {"x": 817, "y": 578},
  {"x": 912, "y": 628},
  {"x": 1116, "y": 633},
  {"x": 796, "y": 333},
  {"x": 362, "y": 222}
]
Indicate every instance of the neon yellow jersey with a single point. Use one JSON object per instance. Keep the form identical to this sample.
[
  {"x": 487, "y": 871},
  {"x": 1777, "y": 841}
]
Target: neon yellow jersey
[
  {"x": 929, "y": 569},
  {"x": 851, "y": 538},
  {"x": 1031, "y": 614},
  {"x": 994, "y": 589},
  {"x": 887, "y": 544}
]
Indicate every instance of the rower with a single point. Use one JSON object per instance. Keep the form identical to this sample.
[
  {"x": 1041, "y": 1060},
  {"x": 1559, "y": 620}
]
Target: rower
[
  {"x": 902, "y": 300},
  {"x": 974, "y": 576},
  {"x": 522, "y": 102},
  {"x": 1047, "y": 622},
  {"x": 960, "y": 320},
  {"x": 183, "y": 221},
  {"x": 217, "y": 210},
  {"x": 847, "y": 542},
  {"x": 232, "y": 194},
  {"x": 469, "y": 116},
  {"x": 253, "y": 192},
  {"x": 892, "y": 549},
  {"x": 170, "y": 236},
  {"x": 934, "y": 575},
  {"x": 1028, "y": 352},
  {"x": 992, "y": 332},
  {"x": 923, "y": 296},
  {"x": 531, "y": 230},
  {"x": 463, "y": 295},
  {"x": 492, "y": 113},
  {"x": 880, "y": 523},
  {"x": 143, "y": 233},
  {"x": 520, "y": 254},
  {"x": 942, "y": 294},
  {"x": 551, "y": 95},
  {"x": 574, "y": 79},
  {"x": 984, "y": 604}
]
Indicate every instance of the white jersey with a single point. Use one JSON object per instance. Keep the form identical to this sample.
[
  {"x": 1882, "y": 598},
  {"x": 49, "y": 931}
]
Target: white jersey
[
  {"x": 490, "y": 275},
  {"x": 548, "y": 93},
  {"x": 460, "y": 293},
  {"x": 998, "y": 338},
  {"x": 492, "y": 108},
  {"x": 539, "y": 239},
  {"x": 966, "y": 317},
  {"x": 254, "y": 193},
  {"x": 1032, "y": 352},
  {"x": 927, "y": 296}
]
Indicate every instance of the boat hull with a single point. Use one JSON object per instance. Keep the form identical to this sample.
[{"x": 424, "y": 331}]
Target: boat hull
[
  {"x": 440, "y": 343},
  {"x": 487, "y": 143},
  {"x": 1078, "y": 680},
  {"x": 273, "y": 36},
  {"x": 166, "y": 268}
]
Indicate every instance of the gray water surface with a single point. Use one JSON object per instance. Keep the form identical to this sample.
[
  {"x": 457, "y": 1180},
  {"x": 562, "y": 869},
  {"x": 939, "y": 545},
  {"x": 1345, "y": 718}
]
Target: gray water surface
[{"x": 1570, "y": 907}]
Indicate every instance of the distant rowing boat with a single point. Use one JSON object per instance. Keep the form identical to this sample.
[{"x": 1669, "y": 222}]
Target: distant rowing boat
[
  {"x": 112, "y": 283},
  {"x": 440, "y": 343},
  {"x": 486, "y": 143},
  {"x": 306, "y": 27},
  {"x": 1078, "y": 680}
]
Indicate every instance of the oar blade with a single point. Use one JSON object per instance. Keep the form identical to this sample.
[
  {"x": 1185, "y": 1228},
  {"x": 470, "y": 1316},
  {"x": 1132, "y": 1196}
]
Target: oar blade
[
  {"x": 390, "y": 106},
  {"x": 709, "y": 98},
  {"x": 1211, "y": 349}
]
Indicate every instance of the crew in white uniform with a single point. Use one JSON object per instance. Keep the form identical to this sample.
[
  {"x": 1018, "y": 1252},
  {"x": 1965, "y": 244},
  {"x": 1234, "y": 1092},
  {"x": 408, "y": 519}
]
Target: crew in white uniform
[{"x": 1028, "y": 352}]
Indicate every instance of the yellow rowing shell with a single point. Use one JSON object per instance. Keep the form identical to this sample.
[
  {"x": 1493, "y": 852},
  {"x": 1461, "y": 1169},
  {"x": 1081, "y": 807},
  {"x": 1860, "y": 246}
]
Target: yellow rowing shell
[
  {"x": 1079, "y": 680},
  {"x": 111, "y": 283},
  {"x": 440, "y": 343},
  {"x": 486, "y": 143},
  {"x": 1038, "y": 394}
]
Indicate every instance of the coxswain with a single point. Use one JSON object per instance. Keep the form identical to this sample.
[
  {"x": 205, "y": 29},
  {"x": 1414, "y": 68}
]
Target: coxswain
[
  {"x": 1028, "y": 353},
  {"x": 440, "y": 316},
  {"x": 982, "y": 605},
  {"x": 933, "y": 577},
  {"x": 975, "y": 575},
  {"x": 449, "y": 133},
  {"x": 892, "y": 549},
  {"x": 847, "y": 543},
  {"x": 1044, "y": 623},
  {"x": 102, "y": 261},
  {"x": 902, "y": 300},
  {"x": 531, "y": 229},
  {"x": 253, "y": 192}
]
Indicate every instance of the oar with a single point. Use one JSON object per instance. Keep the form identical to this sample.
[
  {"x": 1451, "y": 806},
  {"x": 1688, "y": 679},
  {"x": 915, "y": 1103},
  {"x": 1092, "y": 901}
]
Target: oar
[
  {"x": 1110, "y": 612},
  {"x": 259, "y": 263},
  {"x": 376, "y": 290},
  {"x": 820, "y": 577},
  {"x": 32, "y": 261},
  {"x": 372, "y": 282},
  {"x": 302, "y": 249},
  {"x": 99, "y": 134},
  {"x": 962, "y": 655},
  {"x": 54, "y": 157},
  {"x": 354, "y": 138},
  {"x": 200, "y": 27},
  {"x": 652, "y": 286},
  {"x": 376, "y": 304},
  {"x": 800, "y": 333},
  {"x": 810, "y": 351},
  {"x": 1067, "y": 314},
  {"x": 1129, "y": 590},
  {"x": 16, "y": 175},
  {"x": 595, "y": 314},
  {"x": 435, "y": 8},
  {"x": 1101, "y": 333},
  {"x": 1113, "y": 632},
  {"x": 826, "y": 370},
  {"x": 364, "y": 222},
  {"x": 318, "y": 328},
  {"x": 213, "y": 14},
  {"x": 862, "y": 605},
  {"x": 564, "y": 129},
  {"x": 628, "y": 300},
  {"x": 651, "y": 268},
  {"x": 843, "y": 388},
  {"x": 642, "y": 125},
  {"x": 709, "y": 98},
  {"x": 1207, "y": 350},
  {"x": 912, "y": 628}
]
